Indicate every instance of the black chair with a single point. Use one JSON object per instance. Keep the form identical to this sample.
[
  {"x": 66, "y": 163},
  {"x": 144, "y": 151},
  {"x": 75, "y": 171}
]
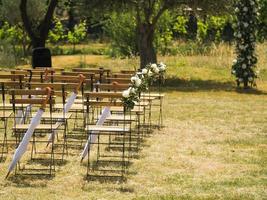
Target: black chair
[{"x": 41, "y": 57}]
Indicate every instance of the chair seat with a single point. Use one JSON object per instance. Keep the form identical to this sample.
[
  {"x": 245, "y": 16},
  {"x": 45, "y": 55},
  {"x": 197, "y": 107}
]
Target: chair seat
[
  {"x": 136, "y": 109},
  {"x": 10, "y": 106},
  {"x": 5, "y": 114},
  {"x": 74, "y": 107},
  {"x": 99, "y": 128},
  {"x": 127, "y": 118},
  {"x": 57, "y": 115},
  {"x": 39, "y": 127}
]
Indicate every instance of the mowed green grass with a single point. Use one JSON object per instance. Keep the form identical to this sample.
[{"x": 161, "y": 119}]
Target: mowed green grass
[{"x": 214, "y": 145}]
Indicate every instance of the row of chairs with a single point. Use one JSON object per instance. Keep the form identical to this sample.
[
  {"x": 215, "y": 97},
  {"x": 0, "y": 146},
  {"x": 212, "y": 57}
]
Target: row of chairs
[{"x": 84, "y": 112}]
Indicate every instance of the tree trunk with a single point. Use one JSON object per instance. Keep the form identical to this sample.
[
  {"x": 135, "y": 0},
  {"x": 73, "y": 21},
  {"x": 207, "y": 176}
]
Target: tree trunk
[
  {"x": 38, "y": 36},
  {"x": 71, "y": 20},
  {"x": 38, "y": 42},
  {"x": 146, "y": 47}
]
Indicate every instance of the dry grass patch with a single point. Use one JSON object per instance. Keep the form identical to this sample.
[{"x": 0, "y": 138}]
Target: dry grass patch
[{"x": 213, "y": 146}]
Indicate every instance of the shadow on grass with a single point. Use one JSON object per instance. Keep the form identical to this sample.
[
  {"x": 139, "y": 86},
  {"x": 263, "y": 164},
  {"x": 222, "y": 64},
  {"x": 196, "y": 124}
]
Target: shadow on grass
[
  {"x": 106, "y": 178},
  {"x": 30, "y": 180},
  {"x": 197, "y": 85}
]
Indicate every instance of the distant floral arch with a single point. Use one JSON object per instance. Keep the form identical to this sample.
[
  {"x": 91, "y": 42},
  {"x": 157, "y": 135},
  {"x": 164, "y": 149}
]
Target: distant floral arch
[{"x": 244, "y": 66}]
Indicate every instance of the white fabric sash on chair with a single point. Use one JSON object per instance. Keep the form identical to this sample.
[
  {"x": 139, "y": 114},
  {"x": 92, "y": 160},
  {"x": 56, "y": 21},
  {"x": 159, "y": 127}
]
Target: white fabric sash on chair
[
  {"x": 67, "y": 107},
  {"x": 25, "y": 141},
  {"x": 92, "y": 137}
]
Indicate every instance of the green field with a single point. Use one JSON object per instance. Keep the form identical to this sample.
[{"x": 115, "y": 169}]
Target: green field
[{"x": 214, "y": 145}]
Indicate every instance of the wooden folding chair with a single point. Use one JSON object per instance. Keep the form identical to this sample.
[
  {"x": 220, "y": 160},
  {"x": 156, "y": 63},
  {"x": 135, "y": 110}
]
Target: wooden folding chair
[
  {"x": 101, "y": 72},
  {"x": 41, "y": 160},
  {"x": 87, "y": 75},
  {"x": 100, "y": 135},
  {"x": 78, "y": 107},
  {"x": 59, "y": 115},
  {"x": 7, "y": 81}
]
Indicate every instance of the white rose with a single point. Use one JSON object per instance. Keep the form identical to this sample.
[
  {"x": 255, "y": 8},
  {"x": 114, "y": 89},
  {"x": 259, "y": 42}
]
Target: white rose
[
  {"x": 245, "y": 9},
  {"x": 126, "y": 93},
  {"x": 245, "y": 24},
  {"x": 150, "y": 73},
  {"x": 132, "y": 90},
  {"x": 138, "y": 82},
  {"x": 162, "y": 68},
  {"x": 156, "y": 70},
  {"x": 153, "y": 66},
  {"x": 144, "y": 71},
  {"x": 240, "y": 80},
  {"x": 233, "y": 71},
  {"x": 234, "y": 61},
  {"x": 244, "y": 66},
  {"x": 239, "y": 35},
  {"x": 133, "y": 79},
  {"x": 162, "y": 64},
  {"x": 236, "y": 9},
  {"x": 250, "y": 79}
]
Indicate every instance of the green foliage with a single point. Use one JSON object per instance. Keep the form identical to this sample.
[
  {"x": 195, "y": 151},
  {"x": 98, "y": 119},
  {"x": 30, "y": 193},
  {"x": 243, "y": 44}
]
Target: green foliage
[
  {"x": 12, "y": 34},
  {"x": 120, "y": 28},
  {"x": 210, "y": 29},
  {"x": 56, "y": 34},
  {"x": 164, "y": 33},
  {"x": 202, "y": 30},
  {"x": 78, "y": 34},
  {"x": 179, "y": 27},
  {"x": 12, "y": 38},
  {"x": 216, "y": 23},
  {"x": 262, "y": 33}
]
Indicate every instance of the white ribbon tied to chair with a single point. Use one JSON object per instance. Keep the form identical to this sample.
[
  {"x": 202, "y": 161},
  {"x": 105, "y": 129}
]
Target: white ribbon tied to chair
[
  {"x": 92, "y": 137},
  {"x": 67, "y": 107},
  {"x": 26, "y": 139}
]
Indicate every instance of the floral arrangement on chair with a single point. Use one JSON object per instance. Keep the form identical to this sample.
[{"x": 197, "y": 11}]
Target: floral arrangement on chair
[{"x": 140, "y": 82}]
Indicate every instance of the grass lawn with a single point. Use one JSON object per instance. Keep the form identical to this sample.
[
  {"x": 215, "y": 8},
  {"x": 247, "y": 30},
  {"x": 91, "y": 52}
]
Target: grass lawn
[{"x": 214, "y": 145}]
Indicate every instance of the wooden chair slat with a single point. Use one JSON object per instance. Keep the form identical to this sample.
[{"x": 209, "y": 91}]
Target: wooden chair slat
[
  {"x": 31, "y": 101},
  {"x": 103, "y": 94}
]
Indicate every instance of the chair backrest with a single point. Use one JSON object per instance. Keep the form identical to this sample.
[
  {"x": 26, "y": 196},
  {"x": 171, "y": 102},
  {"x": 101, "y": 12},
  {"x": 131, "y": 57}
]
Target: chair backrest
[
  {"x": 113, "y": 87},
  {"x": 121, "y": 75},
  {"x": 114, "y": 99},
  {"x": 18, "y": 97},
  {"x": 128, "y": 72},
  {"x": 119, "y": 80},
  {"x": 12, "y": 77},
  {"x": 101, "y": 72}
]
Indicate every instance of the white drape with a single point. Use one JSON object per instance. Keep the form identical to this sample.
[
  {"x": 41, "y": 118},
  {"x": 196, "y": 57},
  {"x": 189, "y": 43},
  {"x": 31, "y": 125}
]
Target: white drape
[
  {"x": 92, "y": 137},
  {"x": 26, "y": 139},
  {"x": 67, "y": 107}
]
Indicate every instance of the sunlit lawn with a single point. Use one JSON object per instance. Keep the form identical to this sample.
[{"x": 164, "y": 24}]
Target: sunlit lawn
[{"x": 214, "y": 145}]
